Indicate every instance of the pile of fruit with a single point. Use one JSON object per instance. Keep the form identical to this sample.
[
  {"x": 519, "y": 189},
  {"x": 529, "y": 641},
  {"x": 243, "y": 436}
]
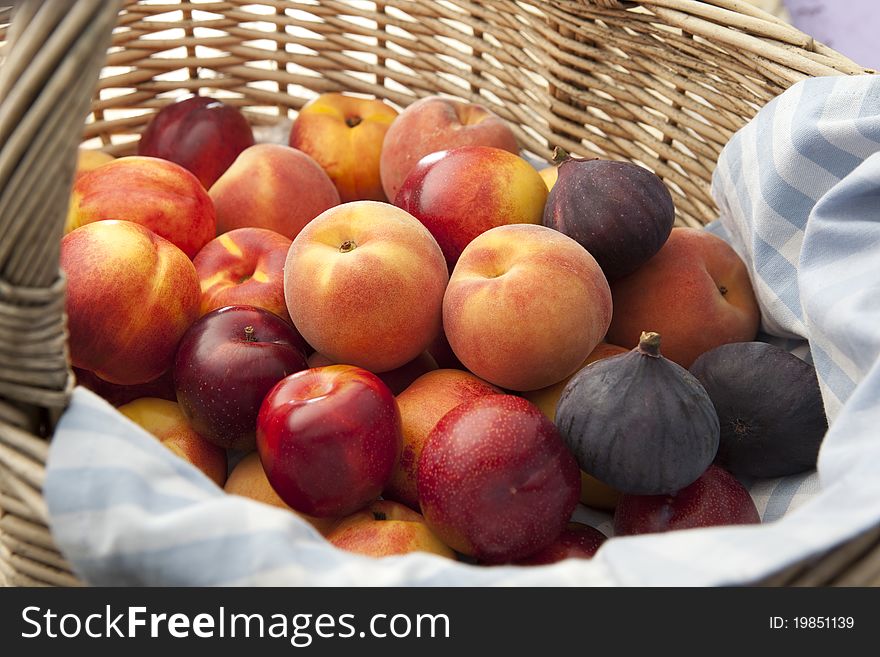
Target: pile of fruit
[{"x": 399, "y": 329}]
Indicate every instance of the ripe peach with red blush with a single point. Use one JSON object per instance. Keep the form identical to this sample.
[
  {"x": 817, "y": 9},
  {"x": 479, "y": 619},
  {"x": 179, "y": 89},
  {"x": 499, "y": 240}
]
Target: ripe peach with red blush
[
  {"x": 386, "y": 528},
  {"x": 344, "y": 134},
  {"x": 463, "y": 192},
  {"x": 160, "y": 195},
  {"x": 166, "y": 421},
  {"x": 437, "y": 123},
  {"x": 244, "y": 267},
  {"x": 364, "y": 284},
  {"x": 131, "y": 296},
  {"x": 695, "y": 292},
  {"x": 274, "y": 187},
  {"x": 525, "y": 306}
]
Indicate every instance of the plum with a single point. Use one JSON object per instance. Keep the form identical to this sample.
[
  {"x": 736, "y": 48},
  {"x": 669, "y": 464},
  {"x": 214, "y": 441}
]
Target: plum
[
  {"x": 715, "y": 498},
  {"x": 203, "y": 135}
]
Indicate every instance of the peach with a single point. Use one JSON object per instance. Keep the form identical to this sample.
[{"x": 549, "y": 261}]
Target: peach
[
  {"x": 461, "y": 193},
  {"x": 166, "y": 421},
  {"x": 549, "y": 175},
  {"x": 90, "y": 158},
  {"x": 272, "y": 186},
  {"x": 422, "y": 405},
  {"x": 248, "y": 479},
  {"x": 398, "y": 379},
  {"x": 386, "y": 528},
  {"x": 434, "y": 124},
  {"x": 244, "y": 267},
  {"x": 546, "y": 398},
  {"x": 344, "y": 135},
  {"x": 160, "y": 195},
  {"x": 364, "y": 285},
  {"x": 695, "y": 292},
  {"x": 525, "y": 306},
  {"x": 131, "y": 295}
]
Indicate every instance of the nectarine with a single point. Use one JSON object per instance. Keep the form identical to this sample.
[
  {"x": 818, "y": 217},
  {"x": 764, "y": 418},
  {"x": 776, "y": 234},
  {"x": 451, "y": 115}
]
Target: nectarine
[{"x": 364, "y": 285}]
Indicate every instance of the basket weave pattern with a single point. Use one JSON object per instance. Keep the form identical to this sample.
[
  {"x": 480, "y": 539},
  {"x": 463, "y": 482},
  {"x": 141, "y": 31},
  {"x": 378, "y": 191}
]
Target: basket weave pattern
[{"x": 663, "y": 83}]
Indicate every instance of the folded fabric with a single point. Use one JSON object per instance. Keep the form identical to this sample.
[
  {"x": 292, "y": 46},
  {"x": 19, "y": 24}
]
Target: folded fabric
[{"x": 799, "y": 193}]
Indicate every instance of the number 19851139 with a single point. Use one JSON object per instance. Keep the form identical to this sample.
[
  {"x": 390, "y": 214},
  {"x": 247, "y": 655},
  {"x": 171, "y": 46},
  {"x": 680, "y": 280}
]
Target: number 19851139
[{"x": 813, "y": 622}]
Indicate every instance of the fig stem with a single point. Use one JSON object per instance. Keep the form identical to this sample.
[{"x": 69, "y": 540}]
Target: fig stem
[
  {"x": 560, "y": 155},
  {"x": 347, "y": 245},
  {"x": 249, "y": 334},
  {"x": 649, "y": 344}
]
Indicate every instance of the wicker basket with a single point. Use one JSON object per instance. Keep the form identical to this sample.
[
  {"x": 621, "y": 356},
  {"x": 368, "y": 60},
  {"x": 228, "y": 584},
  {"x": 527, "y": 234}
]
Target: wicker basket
[{"x": 661, "y": 82}]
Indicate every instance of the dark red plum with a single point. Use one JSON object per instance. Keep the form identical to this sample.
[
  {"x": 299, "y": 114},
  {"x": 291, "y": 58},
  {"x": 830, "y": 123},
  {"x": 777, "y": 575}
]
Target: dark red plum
[
  {"x": 577, "y": 541},
  {"x": 715, "y": 498},
  {"x": 203, "y": 135},
  {"x": 495, "y": 480},
  {"x": 225, "y": 365}
]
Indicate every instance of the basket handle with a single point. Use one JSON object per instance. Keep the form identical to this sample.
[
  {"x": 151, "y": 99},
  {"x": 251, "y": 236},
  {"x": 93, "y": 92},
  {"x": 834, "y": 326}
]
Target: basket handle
[{"x": 52, "y": 55}]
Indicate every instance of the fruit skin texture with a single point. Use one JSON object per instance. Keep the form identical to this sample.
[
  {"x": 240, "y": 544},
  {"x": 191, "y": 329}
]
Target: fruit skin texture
[
  {"x": 620, "y": 212},
  {"x": 525, "y": 306},
  {"x": 248, "y": 479},
  {"x": 434, "y": 124},
  {"x": 638, "y": 422},
  {"x": 160, "y": 195},
  {"x": 678, "y": 294},
  {"x": 577, "y": 541},
  {"x": 166, "y": 421},
  {"x": 386, "y": 528},
  {"x": 244, "y": 267},
  {"x": 222, "y": 371},
  {"x": 715, "y": 498},
  {"x": 461, "y": 193},
  {"x": 364, "y": 285},
  {"x": 398, "y": 379},
  {"x": 328, "y": 439},
  {"x": 495, "y": 480},
  {"x": 203, "y": 135},
  {"x": 274, "y": 187},
  {"x": 422, "y": 405},
  {"x": 131, "y": 295},
  {"x": 769, "y": 406},
  {"x": 344, "y": 135}
]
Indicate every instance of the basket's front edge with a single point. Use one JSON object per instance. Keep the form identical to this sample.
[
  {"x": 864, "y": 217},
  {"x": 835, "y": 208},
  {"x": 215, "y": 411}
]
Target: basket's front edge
[{"x": 52, "y": 55}]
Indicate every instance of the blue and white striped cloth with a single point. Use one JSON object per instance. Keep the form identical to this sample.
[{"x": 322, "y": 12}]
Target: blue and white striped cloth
[{"x": 799, "y": 190}]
